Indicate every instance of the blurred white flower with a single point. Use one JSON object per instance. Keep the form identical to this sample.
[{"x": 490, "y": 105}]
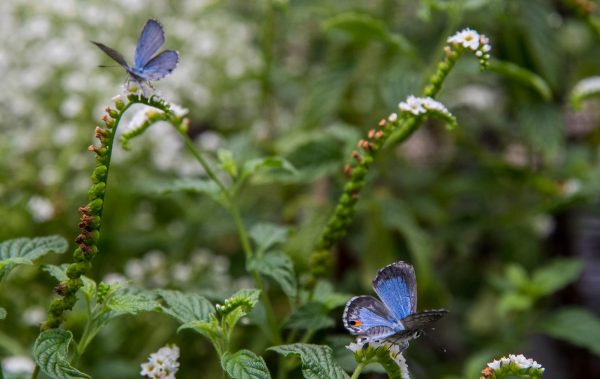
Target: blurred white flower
[
  {"x": 113, "y": 278},
  {"x": 162, "y": 364},
  {"x": 34, "y": 316},
  {"x": 587, "y": 86},
  {"x": 18, "y": 364},
  {"x": 40, "y": 208},
  {"x": 494, "y": 365},
  {"x": 520, "y": 361}
]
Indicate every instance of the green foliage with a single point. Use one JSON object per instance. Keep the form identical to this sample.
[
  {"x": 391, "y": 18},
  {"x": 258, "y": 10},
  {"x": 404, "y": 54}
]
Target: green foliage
[
  {"x": 186, "y": 307},
  {"x": 25, "y": 250},
  {"x": 279, "y": 267},
  {"x": 317, "y": 360},
  {"x": 244, "y": 364},
  {"x": 51, "y": 354},
  {"x": 575, "y": 325},
  {"x": 2, "y": 313}
]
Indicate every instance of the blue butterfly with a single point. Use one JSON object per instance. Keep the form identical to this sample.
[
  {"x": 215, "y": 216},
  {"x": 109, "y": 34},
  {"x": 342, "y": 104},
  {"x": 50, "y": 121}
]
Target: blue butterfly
[
  {"x": 395, "y": 317},
  {"x": 145, "y": 67}
]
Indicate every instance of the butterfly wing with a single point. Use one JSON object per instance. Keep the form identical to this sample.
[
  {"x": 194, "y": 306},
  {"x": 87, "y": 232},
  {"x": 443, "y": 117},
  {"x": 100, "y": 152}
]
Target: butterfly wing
[
  {"x": 159, "y": 66},
  {"x": 115, "y": 55},
  {"x": 367, "y": 316},
  {"x": 420, "y": 320},
  {"x": 151, "y": 39},
  {"x": 396, "y": 286}
]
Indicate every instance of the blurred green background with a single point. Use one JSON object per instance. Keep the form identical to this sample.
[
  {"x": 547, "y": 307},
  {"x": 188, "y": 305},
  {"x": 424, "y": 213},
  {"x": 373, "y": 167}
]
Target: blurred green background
[{"x": 500, "y": 217}]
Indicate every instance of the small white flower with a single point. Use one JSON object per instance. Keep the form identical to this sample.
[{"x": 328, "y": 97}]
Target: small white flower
[
  {"x": 162, "y": 364},
  {"x": 393, "y": 117},
  {"x": 505, "y": 361},
  {"x": 494, "y": 365},
  {"x": 18, "y": 364},
  {"x": 355, "y": 346},
  {"x": 468, "y": 38},
  {"x": 520, "y": 360},
  {"x": 412, "y": 105},
  {"x": 179, "y": 110}
]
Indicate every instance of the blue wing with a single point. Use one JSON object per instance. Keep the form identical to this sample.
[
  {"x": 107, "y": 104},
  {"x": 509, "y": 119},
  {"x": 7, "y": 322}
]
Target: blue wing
[
  {"x": 159, "y": 66},
  {"x": 396, "y": 286},
  {"x": 367, "y": 316},
  {"x": 151, "y": 39},
  {"x": 114, "y": 54}
]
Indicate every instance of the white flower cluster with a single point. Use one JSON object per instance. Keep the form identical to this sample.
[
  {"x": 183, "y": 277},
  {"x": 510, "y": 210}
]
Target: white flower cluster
[
  {"x": 162, "y": 364},
  {"x": 18, "y": 364},
  {"x": 421, "y": 105},
  {"x": 587, "y": 86},
  {"x": 472, "y": 40},
  {"x": 395, "y": 350},
  {"x": 518, "y": 360}
]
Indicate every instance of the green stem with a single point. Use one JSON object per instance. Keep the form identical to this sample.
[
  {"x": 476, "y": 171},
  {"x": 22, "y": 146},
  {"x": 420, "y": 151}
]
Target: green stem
[
  {"x": 243, "y": 235},
  {"x": 35, "y": 372},
  {"x": 358, "y": 370},
  {"x": 209, "y": 171}
]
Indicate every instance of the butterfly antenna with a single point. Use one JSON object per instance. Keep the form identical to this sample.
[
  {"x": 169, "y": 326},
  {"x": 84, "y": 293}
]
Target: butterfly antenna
[{"x": 107, "y": 66}]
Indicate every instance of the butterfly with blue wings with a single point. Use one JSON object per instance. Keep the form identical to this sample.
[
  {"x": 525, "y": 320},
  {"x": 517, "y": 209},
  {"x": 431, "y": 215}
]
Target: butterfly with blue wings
[
  {"x": 395, "y": 317},
  {"x": 145, "y": 67}
]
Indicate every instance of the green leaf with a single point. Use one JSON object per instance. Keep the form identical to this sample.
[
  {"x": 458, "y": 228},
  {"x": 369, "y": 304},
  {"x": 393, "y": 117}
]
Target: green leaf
[
  {"x": 26, "y": 250},
  {"x": 575, "y": 325},
  {"x": 267, "y": 235},
  {"x": 50, "y": 352},
  {"x": 310, "y": 316},
  {"x": 244, "y": 364},
  {"x": 254, "y": 166},
  {"x": 2, "y": 313},
  {"x": 57, "y": 272},
  {"x": 278, "y": 267},
  {"x": 186, "y": 307},
  {"x": 523, "y": 76},
  {"x": 584, "y": 89},
  {"x": 325, "y": 294},
  {"x": 209, "y": 329},
  {"x": 121, "y": 304},
  {"x": 362, "y": 27},
  {"x": 184, "y": 185},
  {"x": 556, "y": 275},
  {"x": 317, "y": 360}
]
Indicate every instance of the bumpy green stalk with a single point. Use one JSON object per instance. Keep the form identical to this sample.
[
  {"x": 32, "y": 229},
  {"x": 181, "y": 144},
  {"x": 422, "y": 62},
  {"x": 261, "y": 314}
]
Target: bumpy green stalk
[
  {"x": 90, "y": 221},
  {"x": 388, "y": 132}
]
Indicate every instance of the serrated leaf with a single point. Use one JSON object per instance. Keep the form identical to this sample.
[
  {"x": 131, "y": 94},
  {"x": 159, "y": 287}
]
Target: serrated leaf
[
  {"x": 209, "y": 329},
  {"x": 267, "y": 235},
  {"x": 50, "y": 352},
  {"x": 575, "y": 325},
  {"x": 317, "y": 360},
  {"x": 121, "y": 304},
  {"x": 186, "y": 307},
  {"x": 2, "y": 313},
  {"x": 26, "y": 250},
  {"x": 523, "y": 76},
  {"x": 278, "y": 267},
  {"x": 244, "y": 364},
  {"x": 310, "y": 316},
  {"x": 556, "y": 275},
  {"x": 57, "y": 272}
]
